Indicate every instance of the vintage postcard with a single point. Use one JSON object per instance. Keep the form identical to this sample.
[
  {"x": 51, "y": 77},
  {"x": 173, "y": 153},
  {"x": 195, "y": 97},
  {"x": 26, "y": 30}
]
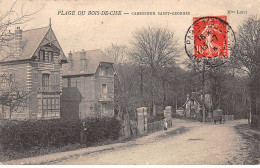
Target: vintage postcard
[{"x": 150, "y": 82}]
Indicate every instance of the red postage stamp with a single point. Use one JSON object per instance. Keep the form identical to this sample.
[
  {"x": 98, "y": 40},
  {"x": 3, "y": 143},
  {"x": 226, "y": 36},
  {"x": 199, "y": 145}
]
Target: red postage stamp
[{"x": 210, "y": 37}]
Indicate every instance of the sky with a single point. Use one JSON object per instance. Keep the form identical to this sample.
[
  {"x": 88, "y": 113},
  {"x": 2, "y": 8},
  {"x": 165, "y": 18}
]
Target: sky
[{"x": 89, "y": 32}]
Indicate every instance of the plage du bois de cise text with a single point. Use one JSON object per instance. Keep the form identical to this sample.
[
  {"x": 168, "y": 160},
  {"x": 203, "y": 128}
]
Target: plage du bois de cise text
[{"x": 62, "y": 12}]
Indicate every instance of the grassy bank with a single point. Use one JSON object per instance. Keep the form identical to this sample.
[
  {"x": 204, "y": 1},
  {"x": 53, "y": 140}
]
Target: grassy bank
[{"x": 252, "y": 137}]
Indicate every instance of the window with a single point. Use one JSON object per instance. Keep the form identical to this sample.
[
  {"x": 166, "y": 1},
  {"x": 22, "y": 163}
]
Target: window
[
  {"x": 104, "y": 89},
  {"x": 41, "y": 55},
  {"x": 46, "y": 55},
  {"x": 50, "y": 56},
  {"x": 57, "y": 107},
  {"x": 45, "y": 79},
  {"x": 50, "y": 107},
  {"x": 46, "y": 58}
]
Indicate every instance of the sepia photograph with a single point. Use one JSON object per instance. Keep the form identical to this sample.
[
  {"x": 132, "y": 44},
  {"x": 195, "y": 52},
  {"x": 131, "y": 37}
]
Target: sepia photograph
[{"x": 134, "y": 82}]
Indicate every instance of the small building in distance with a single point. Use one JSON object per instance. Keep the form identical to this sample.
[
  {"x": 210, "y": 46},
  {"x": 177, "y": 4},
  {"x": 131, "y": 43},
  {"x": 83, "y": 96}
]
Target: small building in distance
[
  {"x": 31, "y": 82},
  {"x": 88, "y": 85},
  {"x": 193, "y": 104}
]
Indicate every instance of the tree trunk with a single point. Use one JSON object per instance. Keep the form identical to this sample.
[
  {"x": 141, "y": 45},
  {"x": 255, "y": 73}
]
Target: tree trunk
[
  {"x": 151, "y": 101},
  {"x": 164, "y": 93},
  {"x": 253, "y": 90}
]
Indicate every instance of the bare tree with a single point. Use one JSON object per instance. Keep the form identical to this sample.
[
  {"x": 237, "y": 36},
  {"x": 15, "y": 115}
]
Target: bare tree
[
  {"x": 156, "y": 48},
  {"x": 118, "y": 53},
  {"x": 9, "y": 19},
  {"x": 13, "y": 97},
  {"x": 247, "y": 58}
]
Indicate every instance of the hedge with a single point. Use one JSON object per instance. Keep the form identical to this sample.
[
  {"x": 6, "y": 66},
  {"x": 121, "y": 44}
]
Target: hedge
[{"x": 25, "y": 135}]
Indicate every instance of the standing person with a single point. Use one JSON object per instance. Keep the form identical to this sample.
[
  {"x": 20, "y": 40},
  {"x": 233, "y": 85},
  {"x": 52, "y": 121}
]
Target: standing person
[{"x": 165, "y": 123}]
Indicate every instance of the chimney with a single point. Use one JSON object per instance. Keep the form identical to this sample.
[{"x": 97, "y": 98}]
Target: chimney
[
  {"x": 83, "y": 61},
  {"x": 18, "y": 41},
  {"x": 71, "y": 64}
]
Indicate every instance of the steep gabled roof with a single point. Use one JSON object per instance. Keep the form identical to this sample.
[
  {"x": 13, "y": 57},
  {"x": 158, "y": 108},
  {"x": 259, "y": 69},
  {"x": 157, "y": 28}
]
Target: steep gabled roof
[
  {"x": 93, "y": 58},
  {"x": 31, "y": 39},
  {"x": 194, "y": 96}
]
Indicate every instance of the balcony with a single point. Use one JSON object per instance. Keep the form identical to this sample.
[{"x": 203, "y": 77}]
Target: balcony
[
  {"x": 49, "y": 89},
  {"x": 106, "y": 97}
]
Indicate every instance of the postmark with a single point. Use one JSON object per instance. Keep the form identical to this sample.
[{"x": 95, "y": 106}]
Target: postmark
[{"x": 210, "y": 38}]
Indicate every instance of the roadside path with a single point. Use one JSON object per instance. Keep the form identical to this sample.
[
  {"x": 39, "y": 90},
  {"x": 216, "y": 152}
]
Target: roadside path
[
  {"x": 203, "y": 144},
  {"x": 185, "y": 143}
]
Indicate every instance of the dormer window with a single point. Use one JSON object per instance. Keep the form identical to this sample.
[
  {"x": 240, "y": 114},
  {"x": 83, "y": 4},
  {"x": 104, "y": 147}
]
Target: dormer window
[
  {"x": 46, "y": 56},
  {"x": 42, "y": 55}
]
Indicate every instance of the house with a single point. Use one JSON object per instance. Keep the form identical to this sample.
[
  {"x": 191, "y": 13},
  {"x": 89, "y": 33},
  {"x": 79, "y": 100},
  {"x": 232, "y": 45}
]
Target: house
[
  {"x": 88, "y": 85},
  {"x": 193, "y": 104},
  {"x": 31, "y": 75}
]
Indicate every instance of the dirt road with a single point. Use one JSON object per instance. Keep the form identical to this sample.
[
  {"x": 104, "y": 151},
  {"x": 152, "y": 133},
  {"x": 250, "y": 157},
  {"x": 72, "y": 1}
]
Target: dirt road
[{"x": 201, "y": 144}]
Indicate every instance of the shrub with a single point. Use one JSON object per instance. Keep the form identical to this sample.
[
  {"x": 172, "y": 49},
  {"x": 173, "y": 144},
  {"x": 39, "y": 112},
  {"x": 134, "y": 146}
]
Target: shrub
[{"x": 25, "y": 135}]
